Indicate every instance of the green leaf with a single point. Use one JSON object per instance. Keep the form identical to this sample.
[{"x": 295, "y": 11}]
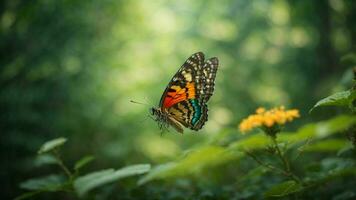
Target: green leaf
[
  {"x": 349, "y": 148},
  {"x": 349, "y": 58},
  {"x": 157, "y": 172},
  {"x": 337, "y": 99},
  {"x": 329, "y": 169},
  {"x": 193, "y": 162},
  {"x": 319, "y": 130},
  {"x": 253, "y": 142},
  {"x": 52, "y": 144},
  {"x": 82, "y": 162},
  {"x": 45, "y": 159},
  {"x": 284, "y": 189},
  {"x": 330, "y": 145},
  {"x": 84, "y": 184},
  {"x": 341, "y": 173},
  {"x": 334, "y": 164},
  {"x": 252, "y": 174},
  {"x": 49, "y": 183}
]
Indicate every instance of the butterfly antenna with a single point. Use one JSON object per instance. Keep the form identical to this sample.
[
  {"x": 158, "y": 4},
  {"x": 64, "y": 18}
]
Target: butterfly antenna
[
  {"x": 136, "y": 102},
  {"x": 148, "y": 101}
]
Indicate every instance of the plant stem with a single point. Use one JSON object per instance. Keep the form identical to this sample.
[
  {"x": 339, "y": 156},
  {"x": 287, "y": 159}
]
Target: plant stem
[
  {"x": 285, "y": 162},
  {"x": 302, "y": 148},
  {"x": 269, "y": 166},
  {"x": 61, "y": 164},
  {"x": 280, "y": 155}
]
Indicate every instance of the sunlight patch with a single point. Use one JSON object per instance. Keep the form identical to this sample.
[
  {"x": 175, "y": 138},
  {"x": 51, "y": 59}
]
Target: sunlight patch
[
  {"x": 279, "y": 13},
  {"x": 272, "y": 55},
  {"x": 220, "y": 30},
  {"x": 221, "y": 115},
  {"x": 157, "y": 147},
  {"x": 299, "y": 37},
  {"x": 270, "y": 94},
  {"x": 253, "y": 46}
]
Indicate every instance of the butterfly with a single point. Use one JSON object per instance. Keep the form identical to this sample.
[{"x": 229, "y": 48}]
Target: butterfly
[{"x": 183, "y": 103}]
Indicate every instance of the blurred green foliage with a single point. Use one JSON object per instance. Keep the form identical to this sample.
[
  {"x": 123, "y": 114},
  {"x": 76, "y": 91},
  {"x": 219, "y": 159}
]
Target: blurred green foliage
[{"x": 70, "y": 68}]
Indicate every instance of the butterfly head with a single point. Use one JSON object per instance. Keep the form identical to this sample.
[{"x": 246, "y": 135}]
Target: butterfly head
[
  {"x": 156, "y": 113},
  {"x": 153, "y": 111},
  {"x": 159, "y": 116},
  {"x": 164, "y": 120}
]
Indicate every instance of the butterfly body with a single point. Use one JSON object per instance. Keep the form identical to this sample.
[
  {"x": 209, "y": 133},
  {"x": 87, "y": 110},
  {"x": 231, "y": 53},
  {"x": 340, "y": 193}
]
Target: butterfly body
[{"x": 183, "y": 103}]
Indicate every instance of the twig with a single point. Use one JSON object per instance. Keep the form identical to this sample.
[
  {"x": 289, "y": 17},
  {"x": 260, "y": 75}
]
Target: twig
[
  {"x": 285, "y": 162},
  {"x": 280, "y": 155},
  {"x": 61, "y": 164},
  {"x": 302, "y": 148},
  {"x": 269, "y": 166}
]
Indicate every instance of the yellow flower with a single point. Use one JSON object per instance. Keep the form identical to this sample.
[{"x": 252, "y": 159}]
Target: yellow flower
[
  {"x": 260, "y": 110},
  {"x": 268, "y": 118}
]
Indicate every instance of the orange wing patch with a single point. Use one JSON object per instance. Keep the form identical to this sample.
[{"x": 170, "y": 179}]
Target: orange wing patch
[
  {"x": 191, "y": 90},
  {"x": 177, "y": 94}
]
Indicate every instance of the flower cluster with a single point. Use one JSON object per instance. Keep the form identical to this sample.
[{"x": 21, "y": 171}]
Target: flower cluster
[{"x": 268, "y": 118}]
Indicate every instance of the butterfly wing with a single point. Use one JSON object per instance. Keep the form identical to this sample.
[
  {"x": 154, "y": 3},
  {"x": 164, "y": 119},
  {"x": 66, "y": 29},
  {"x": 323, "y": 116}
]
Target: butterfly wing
[
  {"x": 205, "y": 91},
  {"x": 209, "y": 73},
  {"x": 190, "y": 88},
  {"x": 184, "y": 83},
  {"x": 190, "y": 113}
]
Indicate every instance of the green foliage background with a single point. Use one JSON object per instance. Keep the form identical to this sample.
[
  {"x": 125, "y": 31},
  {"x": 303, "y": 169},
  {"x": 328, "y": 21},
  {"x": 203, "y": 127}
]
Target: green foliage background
[{"x": 70, "y": 68}]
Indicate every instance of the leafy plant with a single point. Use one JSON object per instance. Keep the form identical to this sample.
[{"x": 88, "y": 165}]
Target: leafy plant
[
  {"x": 70, "y": 180},
  {"x": 344, "y": 98}
]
